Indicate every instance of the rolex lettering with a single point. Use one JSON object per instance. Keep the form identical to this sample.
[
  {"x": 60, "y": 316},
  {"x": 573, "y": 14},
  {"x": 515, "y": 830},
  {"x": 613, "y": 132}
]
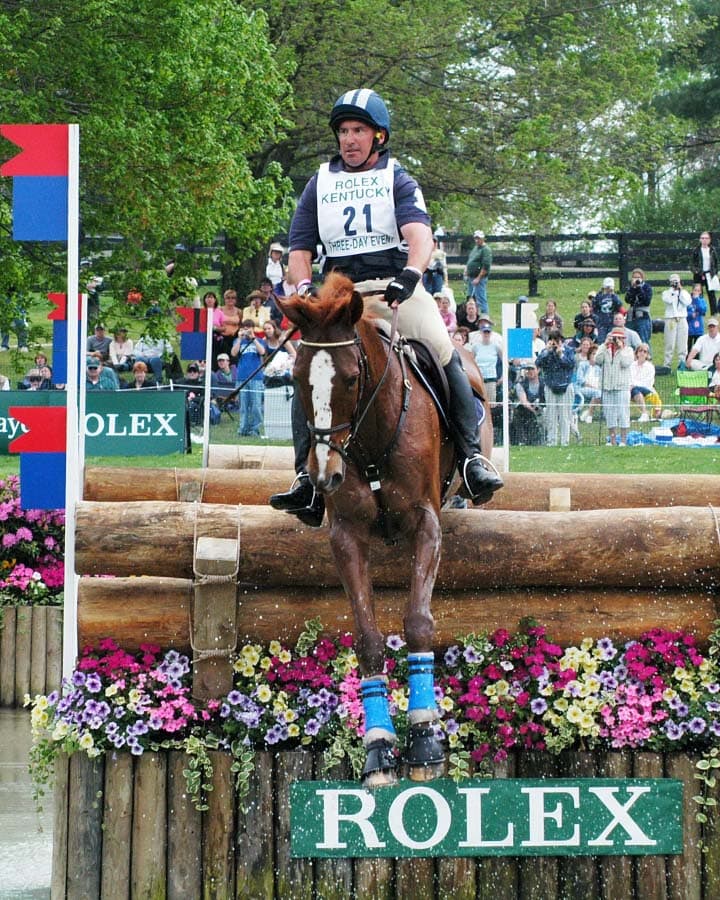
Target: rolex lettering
[{"x": 356, "y": 211}]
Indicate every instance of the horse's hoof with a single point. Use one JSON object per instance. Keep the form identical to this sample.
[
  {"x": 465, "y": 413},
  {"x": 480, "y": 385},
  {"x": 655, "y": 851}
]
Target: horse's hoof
[
  {"x": 380, "y": 769},
  {"x": 424, "y": 755},
  {"x": 427, "y": 772}
]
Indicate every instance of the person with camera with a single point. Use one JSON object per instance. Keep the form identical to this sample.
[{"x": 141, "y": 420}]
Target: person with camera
[
  {"x": 704, "y": 268},
  {"x": 249, "y": 350},
  {"x": 604, "y": 306},
  {"x": 615, "y": 359},
  {"x": 676, "y": 300},
  {"x": 557, "y": 365},
  {"x": 637, "y": 299},
  {"x": 435, "y": 277}
]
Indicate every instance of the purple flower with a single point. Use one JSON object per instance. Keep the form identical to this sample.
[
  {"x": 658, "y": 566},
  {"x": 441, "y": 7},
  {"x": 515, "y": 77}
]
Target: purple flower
[
  {"x": 713, "y": 688},
  {"x": 273, "y": 735},
  {"x": 538, "y": 706},
  {"x": 697, "y": 725},
  {"x": 452, "y": 655},
  {"x": 715, "y": 727},
  {"x": 93, "y": 682},
  {"x": 224, "y": 711},
  {"x": 312, "y": 726},
  {"x": 472, "y": 656},
  {"x": 234, "y": 698},
  {"x": 608, "y": 681},
  {"x": 451, "y": 726},
  {"x": 607, "y": 648},
  {"x": 673, "y": 731},
  {"x": 395, "y": 642},
  {"x": 620, "y": 672},
  {"x": 78, "y": 678}
]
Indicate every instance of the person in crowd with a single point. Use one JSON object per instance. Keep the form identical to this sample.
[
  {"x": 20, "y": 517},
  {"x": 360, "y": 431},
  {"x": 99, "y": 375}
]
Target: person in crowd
[
  {"x": 642, "y": 384},
  {"x": 460, "y": 336},
  {"x": 396, "y": 222},
  {"x": 270, "y": 301},
  {"x": 223, "y": 381},
  {"x": 695, "y": 315},
  {"x": 255, "y": 311},
  {"x": 274, "y": 268},
  {"x": 587, "y": 383},
  {"x": 467, "y": 315},
  {"x": 140, "y": 378},
  {"x": 32, "y": 380},
  {"x": 231, "y": 320},
  {"x": 550, "y": 320},
  {"x": 527, "y": 421},
  {"x": 249, "y": 351},
  {"x": 279, "y": 364},
  {"x": 477, "y": 271},
  {"x": 615, "y": 360},
  {"x": 605, "y": 304},
  {"x": 582, "y": 349},
  {"x": 217, "y": 319},
  {"x": 94, "y": 380},
  {"x": 587, "y": 332},
  {"x": 703, "y": 352},
  {"x": 435, "y": 277},
  {"x": 714, "y": 384},
  {"x": 152, "y": 352},
  {"x": 704, "y": 268},
  {"x": 632, "y": 338},
  {"x": 194, "y": 385},
  {"x": 488, "y": 356},
  {"x": 121, "y": 350},
  {"x": 556, "y": 364},
  {"x": 446, "y": 314},
  {"x": 676, "y": 300},
  {"x": 93, "y": 289},
  {"x": 108, "y": 375},
  {"x": 47, "y": 383},
  {"x": 582, "y": 317},
  {"x": 99, "y": 342},
  {"x": 638, "y": 298}
]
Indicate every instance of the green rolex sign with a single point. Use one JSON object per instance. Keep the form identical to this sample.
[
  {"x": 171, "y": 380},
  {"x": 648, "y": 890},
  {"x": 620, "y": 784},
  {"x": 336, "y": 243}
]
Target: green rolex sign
[{"x": 478, "y": 817}]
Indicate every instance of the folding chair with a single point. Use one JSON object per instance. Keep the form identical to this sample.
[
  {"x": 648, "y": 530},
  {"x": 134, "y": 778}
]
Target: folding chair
[{"x": 695, "y": 397}]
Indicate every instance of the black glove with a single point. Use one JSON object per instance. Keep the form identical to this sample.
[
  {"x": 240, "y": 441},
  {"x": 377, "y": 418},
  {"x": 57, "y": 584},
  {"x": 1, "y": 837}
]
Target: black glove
[{"x": 402, "y": 286}]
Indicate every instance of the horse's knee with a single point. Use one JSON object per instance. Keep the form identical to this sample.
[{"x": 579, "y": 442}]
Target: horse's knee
[
  {"x": 419, "y": 631},
  {"x": 371, "y": 653}
]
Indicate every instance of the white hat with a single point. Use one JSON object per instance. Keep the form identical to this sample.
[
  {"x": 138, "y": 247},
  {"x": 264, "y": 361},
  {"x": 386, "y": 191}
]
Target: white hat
[
  {"x": 609, "y": 282},
  {"x": 674, "y": 278},
  {"x": 276, "y": 246},
  {"x": 480, "y": 234}
]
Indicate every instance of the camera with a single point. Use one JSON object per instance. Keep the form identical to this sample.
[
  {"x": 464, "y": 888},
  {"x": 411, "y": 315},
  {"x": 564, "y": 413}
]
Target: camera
[{"x": 637, "y": 282}]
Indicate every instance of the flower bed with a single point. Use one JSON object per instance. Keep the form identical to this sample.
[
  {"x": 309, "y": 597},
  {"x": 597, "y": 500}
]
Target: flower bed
[{"x": 495, "y": 693}]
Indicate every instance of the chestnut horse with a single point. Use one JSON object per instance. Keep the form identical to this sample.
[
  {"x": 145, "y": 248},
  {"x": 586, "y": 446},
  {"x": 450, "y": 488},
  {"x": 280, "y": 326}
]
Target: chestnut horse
[{"x": 382, "y": 459}]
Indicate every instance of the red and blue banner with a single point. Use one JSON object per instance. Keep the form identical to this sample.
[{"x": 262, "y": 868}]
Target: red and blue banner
[
  {"x": 40, "y": 181},
  {"x": 192, "y": 329}
]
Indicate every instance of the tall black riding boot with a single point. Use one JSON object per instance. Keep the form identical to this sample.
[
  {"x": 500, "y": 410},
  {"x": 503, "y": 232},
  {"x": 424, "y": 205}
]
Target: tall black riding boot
[
  {"x": 302, "y": 500},
  {"x": 480, "y": 481}
]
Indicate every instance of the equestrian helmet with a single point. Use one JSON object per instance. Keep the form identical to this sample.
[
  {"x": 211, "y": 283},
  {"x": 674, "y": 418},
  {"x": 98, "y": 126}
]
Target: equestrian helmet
[{"x": 365, "y": 106}]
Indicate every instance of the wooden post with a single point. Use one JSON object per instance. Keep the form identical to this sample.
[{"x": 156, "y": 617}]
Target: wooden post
[
  {"x": 538, "y": 875},
  {"x": 294, "y": 876},
  {"x": 579, "y": 874},
  {"x": 117, "y": 826},
  {"x": 374, "y": 878},
  {"x": 456, "y": 875},
  {"x": 711, "y": 842},
  {"x": 650, "y": 876},
  {"x": 214, "y": 615},
  {"x": 218, "y": 830},
  {"x": 615, "y": 871},
  {"x": 333, "y": 877},
  {"x": 61, "y": 794},
  {"x": 53, "y": 664},
  {"x": 38, "y": 650},
  {"x": 23, "y": 644},
  {"x": 148, "y": 863},
  {"x": 7, "y": 657},
  {"x": 84, "y": 840},
  {"x": 255, "y": 841},
  {"x": 685, "y": 870},
  {"x": 497, "y": 876},
  {"x": 184, "y": 834}
]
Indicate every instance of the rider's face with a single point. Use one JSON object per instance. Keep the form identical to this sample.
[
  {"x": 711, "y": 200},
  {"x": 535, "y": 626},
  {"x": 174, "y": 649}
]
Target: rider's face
[{"x": 355, "y": 140}]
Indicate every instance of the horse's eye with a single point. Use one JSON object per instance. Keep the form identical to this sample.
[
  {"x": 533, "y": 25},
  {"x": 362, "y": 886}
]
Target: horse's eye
[{"x": 351, "y": 381}]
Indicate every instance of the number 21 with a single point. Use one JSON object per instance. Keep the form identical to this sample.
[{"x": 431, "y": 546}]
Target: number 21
[{"x": 349, "y": 213}]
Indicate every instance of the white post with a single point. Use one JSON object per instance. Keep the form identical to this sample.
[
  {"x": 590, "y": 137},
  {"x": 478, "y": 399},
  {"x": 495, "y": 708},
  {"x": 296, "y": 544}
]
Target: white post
[
  {"x": 73, "y": 464},
  {"x": 208, "y": 385}
]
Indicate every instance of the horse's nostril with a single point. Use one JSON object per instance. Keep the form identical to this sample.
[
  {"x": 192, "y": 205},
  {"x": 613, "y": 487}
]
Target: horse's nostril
[{"x": 335, "y": 481}]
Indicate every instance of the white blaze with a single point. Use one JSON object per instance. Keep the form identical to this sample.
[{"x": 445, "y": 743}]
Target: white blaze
[{"x": 322, "y": 372}]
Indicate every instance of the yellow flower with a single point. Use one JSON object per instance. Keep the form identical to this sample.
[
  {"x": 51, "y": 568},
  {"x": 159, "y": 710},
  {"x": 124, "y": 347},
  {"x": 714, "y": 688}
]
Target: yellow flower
[
  {"x": 247, "y": 670},
  {"x": 293, "y": 730},
  {"x": 464, "y": 730},
  {"x": 447, "y": 704},
  {"x": 586, "y": 644},
  {"x": 39, "y": 718},
  {"x": 399, "y": 699},
  {"x": 669, "y": 694},
  {"x": 275, "y": 648},
  {"x": 502, "y": 687},
  {"x": 251, "y": 654},
  {"x": 134, "y": 696},
  {"x": 60, "y": 731},
  {"x": 264, "y": 694},
  {"x": 490, "y": 690},
  {"x": 111, "y": 690},
  {"x": 586, "y": 721},
  {"x": 265, "y": 663},
  {"x": 593, "y": 684},
  {"x": 452, "y": 740},
  {"x": 86, "y": 741},
  {"x": 41, "y": 701},
  {"x": 561, "y": 703},
  {"x": 289, "y": 715},
  {"x": 590, "y": 703},
  {"x": 574, "y": 715},
  {"x": 687, "y": 685},
  {"x": 284, "y": 656}
]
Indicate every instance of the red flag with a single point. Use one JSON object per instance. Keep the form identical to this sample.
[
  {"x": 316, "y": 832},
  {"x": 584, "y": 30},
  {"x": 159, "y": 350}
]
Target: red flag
[
  {"x": 44, "y": 150},
  {"x": 191, "y": 319},
  {"x": 46, "y": 429},
  {"x": 59, "y": 301}
]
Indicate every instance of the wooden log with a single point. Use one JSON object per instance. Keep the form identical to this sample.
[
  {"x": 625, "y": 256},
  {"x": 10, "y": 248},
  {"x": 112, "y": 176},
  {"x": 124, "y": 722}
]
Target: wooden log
[
  {"x": 7, "y": 657},
  {"x": 650, "y": 874},
  {"x": 685, "y": 870},
  {"x": 148, "y": 867},
  {"x": 117, "y": 826},
  {"x": 53, "y": 665},
  {"x": 529, "y": 491},
  {"x": 538, "y": 875},
  {"x": 456, "y": 875},
  {"x": 218, "y": 828},
  {"x": 579, "y": 875},
  {"x": 38, "y": 650},
  {"x": 23, "y": 650},
  {"x": 61, "y": 797},
  {"x": 414, "y": 878},
  {"x": 711, "y": 840},
  {"x": 498, "y": 876},
  {"x": 294, "y": 877},
  {"x": 374, "y": 878},
  {"x": 138, "y": 610},
  {"x": 333, "y": 877},
  {"x": 184, "y": 877},
  {"x": 84, "y": 842},
  {"x": 673, "y": 547},
  {"x": 249, "y": 456},
  {"x": 255, "y": 838},
  {"x": 616, "y": 872}
]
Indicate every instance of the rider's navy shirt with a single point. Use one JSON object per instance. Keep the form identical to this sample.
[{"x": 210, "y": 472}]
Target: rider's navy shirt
[{"x": 409, "y": 206}]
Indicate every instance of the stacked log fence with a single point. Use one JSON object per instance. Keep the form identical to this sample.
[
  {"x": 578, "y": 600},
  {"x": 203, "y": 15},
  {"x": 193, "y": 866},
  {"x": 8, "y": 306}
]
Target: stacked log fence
[{"x": 30, "y": 652}]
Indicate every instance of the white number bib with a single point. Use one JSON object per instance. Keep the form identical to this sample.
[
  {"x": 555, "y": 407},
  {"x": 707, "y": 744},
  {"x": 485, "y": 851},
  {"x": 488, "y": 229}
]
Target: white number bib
[{"x": 356, "y": 210}]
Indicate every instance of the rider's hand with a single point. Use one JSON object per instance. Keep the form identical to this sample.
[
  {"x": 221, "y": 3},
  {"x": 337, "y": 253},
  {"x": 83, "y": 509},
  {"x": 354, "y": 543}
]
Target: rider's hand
[
  {"x": 307, "y": 289},
  {"x": 402, "y": 286}
]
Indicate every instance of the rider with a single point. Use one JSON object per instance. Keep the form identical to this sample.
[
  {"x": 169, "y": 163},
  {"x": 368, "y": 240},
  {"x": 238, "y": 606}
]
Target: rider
[{"x": 370, "y": 217}]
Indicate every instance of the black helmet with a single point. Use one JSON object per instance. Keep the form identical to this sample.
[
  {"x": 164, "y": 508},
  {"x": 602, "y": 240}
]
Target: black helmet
[{"x": 365, "y": 106}]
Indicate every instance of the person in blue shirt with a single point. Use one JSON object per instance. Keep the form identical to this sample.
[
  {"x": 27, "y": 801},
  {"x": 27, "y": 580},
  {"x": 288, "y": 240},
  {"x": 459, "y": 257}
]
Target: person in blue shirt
[
  {"x": 370, "y": 219},
  {"x": 695, "y": 313},
  {"x": 248, "y": 350},
  {"x": 637, "y": 300}
]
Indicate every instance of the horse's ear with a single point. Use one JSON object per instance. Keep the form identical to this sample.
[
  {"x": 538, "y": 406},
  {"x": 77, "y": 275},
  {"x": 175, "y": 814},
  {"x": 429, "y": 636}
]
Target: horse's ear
[
  {"x": 293, "y": 307},
  {"x": 357, "y": 307}
]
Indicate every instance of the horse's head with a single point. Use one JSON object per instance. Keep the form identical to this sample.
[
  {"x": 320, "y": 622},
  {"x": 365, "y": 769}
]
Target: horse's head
[{"x": 328, "y": 372}]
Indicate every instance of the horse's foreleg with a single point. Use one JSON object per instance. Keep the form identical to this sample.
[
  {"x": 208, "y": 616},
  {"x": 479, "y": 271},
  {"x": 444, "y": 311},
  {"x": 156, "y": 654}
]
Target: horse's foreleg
[
  {"x": 425, "y": 755},
  {"x": 351, "y": 558}
]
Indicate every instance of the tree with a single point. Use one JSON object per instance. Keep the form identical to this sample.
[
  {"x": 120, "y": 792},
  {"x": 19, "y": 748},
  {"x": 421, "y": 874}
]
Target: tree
[{"x": 174, "y": 98}]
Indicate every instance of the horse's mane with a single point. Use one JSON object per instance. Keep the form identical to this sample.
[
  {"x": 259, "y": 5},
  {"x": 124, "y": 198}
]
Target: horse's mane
[{"x": 335, "y": 301}]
